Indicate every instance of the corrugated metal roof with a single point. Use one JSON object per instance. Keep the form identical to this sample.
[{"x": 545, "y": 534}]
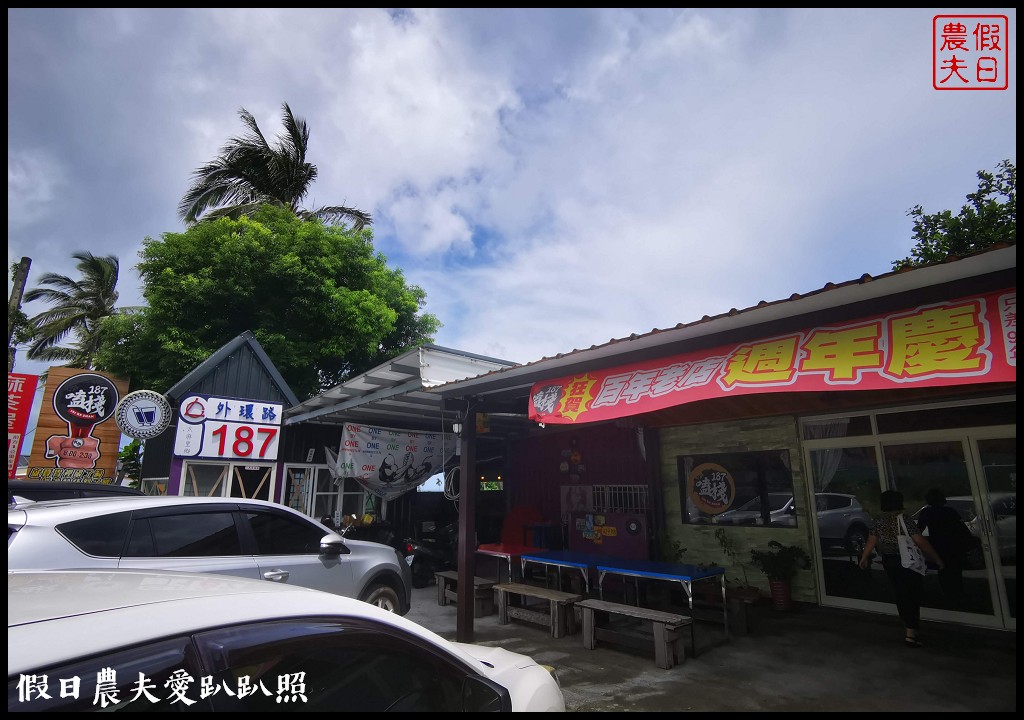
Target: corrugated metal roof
[
  {"x": 240, "y": 368},
  {"x": 397, "y": 393},
  {"x": 411, "y": 390},
  {"x": 667, "y": 341}
]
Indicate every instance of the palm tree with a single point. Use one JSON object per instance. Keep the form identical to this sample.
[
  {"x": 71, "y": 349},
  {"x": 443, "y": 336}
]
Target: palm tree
[
  {"x": 249, "y": 172},
  {"x": 77, "y": 308}
]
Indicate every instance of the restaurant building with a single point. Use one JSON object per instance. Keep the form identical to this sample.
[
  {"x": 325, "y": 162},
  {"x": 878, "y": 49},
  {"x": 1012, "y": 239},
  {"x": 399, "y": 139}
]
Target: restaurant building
[{"x": 783, "y": 421}]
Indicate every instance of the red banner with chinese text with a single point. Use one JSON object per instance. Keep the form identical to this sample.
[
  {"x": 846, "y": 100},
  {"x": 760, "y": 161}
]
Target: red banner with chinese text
[
  {"x": 961, "y": 342},
  {"x": 21, "y": 391}
]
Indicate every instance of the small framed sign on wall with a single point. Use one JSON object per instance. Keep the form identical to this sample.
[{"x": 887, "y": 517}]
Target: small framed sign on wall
[{"x": 742, "y": 488}]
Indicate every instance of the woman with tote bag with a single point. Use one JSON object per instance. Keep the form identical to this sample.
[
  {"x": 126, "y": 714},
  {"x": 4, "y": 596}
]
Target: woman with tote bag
[{"x": 891, "y": 528}]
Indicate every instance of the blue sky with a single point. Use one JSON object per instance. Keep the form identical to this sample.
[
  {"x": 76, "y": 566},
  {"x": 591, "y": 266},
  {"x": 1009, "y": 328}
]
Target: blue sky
[{"x": 552, "y": 178}]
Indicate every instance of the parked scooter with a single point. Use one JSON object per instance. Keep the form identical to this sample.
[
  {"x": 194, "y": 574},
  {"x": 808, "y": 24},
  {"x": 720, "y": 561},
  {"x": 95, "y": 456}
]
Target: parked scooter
[
  {"x": 431, "y": 555},
  {"x": 378, "y": 532}
]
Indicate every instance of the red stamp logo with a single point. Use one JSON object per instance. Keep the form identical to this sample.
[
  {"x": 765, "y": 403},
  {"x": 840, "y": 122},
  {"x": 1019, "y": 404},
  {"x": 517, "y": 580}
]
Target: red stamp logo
[{"x": 970, "y": 52}]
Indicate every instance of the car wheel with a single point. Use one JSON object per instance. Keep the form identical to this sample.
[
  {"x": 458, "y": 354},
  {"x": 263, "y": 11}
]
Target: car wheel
[
  {"x": 384, "y": 597},
  {"x": 856, "y": 539}
]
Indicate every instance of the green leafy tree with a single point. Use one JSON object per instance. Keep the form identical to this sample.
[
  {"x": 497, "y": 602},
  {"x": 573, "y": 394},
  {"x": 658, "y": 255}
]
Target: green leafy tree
[
  {"x": 320, "y": 300},
  {"x": 129, "y": 459},
  {"x": 77, "y": 309},
  {"x": 989, "y": 217},
  {"x": 250, "y": 172}
]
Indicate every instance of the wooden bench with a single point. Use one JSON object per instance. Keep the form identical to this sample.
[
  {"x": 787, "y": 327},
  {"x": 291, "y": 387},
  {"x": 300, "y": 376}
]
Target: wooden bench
[
  {"x": 483, "y": 593},
  {"x": 559, "y": 617},
  {"x": 664, "y": 627}
]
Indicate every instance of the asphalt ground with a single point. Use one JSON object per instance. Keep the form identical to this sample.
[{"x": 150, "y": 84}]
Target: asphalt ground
[{"x": 809, "y": 658}]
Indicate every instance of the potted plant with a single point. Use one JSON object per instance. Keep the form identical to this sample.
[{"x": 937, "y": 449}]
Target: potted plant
[
  {"x": 780, "y": 563},
  {"x": 670, "y": 550}
]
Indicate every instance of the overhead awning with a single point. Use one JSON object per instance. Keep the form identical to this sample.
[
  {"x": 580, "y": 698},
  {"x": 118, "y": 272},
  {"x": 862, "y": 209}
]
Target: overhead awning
[
  {"x": 966, "y": 341},
  {"x": 397, "y": 393}
]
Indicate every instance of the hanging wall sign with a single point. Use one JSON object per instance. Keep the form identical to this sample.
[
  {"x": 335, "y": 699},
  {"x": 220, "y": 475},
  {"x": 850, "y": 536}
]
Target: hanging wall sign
[
  {"x": 143, "y": 414},
  {"x": 74, "y": 440},
  {"x": 389, "y": 463},
  {"x": 222, "y": 428},
  {"x": 960, "y": 342}
]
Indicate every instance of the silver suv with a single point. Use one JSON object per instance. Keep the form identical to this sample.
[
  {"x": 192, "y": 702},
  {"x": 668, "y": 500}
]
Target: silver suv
[
  {"x": 842, "y": 521},
  {"x": 228, "y": 536}
]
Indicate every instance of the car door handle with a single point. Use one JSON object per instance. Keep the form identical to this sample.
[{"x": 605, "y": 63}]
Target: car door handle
[{"x": 276, "y": 575}]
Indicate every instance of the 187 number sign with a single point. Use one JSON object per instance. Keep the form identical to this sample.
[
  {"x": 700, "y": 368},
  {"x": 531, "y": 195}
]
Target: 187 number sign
[
  {"x": 225, "y": 428},
  {"x": 238, "y": 440}
]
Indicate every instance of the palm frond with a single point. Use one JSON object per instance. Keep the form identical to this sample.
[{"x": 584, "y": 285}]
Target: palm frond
[
  {"x": 248, "y": 171},
  {"x": 224, "y": 181},
  {"x": 256, "y": 135},
  {"x": 232, "y": 211},
  {"x": 62, "y": 288},
  {"x": 77, "y": 308},
  {"x": 298, "y": 137},
  {"x": 58, "y": 354},
  {"x": 47, "y": 337},
  {"x": 339, "y": 213}
]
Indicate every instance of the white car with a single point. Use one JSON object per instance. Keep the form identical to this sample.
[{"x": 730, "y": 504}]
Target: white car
[
  {"x": 104, "y": 640},
  {"x": 229, "y": 536}
]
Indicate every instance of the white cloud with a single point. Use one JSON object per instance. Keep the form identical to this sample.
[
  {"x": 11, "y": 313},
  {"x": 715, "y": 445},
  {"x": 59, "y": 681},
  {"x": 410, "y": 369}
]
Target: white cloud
[
  {"x": 34, "y": 181},
  {"x": 554, "y": 178},
  {"x": 430, "y": 225}
]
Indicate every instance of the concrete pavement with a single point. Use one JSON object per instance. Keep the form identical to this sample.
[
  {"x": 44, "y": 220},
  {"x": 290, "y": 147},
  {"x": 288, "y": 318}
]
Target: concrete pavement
[{"x": 807, "y": 659}]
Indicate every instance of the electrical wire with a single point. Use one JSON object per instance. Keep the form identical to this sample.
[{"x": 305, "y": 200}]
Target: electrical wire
[
  {"x": 451, "y": 486},
  {"x": 450, "y": 477}
]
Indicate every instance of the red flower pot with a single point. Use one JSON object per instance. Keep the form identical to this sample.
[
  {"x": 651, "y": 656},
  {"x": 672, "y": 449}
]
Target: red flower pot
[{"x": 782, "y": 599}]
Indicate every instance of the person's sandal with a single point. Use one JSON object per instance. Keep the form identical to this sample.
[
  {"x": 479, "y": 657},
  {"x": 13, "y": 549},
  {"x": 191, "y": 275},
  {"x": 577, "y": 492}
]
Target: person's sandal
[{"x": 912, "y": 642}]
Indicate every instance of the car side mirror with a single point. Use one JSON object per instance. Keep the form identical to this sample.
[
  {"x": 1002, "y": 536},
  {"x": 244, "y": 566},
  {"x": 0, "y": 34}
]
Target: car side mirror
[
  {"x": 480, "y": 694},
  {"x": 333, "y": 544}
]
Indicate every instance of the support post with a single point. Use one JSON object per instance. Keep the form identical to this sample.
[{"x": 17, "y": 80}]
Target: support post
[
  {"x": 14, "y": 305},
  {"x": 468, "y": 488}
]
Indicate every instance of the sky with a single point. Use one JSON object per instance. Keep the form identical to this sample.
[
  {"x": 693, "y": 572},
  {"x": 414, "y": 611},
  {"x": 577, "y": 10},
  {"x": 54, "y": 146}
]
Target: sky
[{"x": 552, "y": 178}]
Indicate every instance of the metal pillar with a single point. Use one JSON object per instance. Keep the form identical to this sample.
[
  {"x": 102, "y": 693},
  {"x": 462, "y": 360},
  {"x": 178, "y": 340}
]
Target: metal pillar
[
  {"x": 468, "y": 488},
  {"x": 14, "y": 305}
]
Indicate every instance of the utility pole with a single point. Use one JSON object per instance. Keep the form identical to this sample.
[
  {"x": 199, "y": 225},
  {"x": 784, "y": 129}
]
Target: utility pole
[{"x": 14, "y": 305}]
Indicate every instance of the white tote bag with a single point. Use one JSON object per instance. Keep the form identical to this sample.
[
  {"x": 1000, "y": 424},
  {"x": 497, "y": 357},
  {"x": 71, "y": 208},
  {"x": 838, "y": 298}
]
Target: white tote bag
[{"x": 910, "y": 553}]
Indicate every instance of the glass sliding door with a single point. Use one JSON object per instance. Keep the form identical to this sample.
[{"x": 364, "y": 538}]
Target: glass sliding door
[
  {"x": 996, "y": 523},
  {"x": 913, "y": 469},
  {"x": 967, "y": 451},
  {"x": 846, "y": 490}
]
